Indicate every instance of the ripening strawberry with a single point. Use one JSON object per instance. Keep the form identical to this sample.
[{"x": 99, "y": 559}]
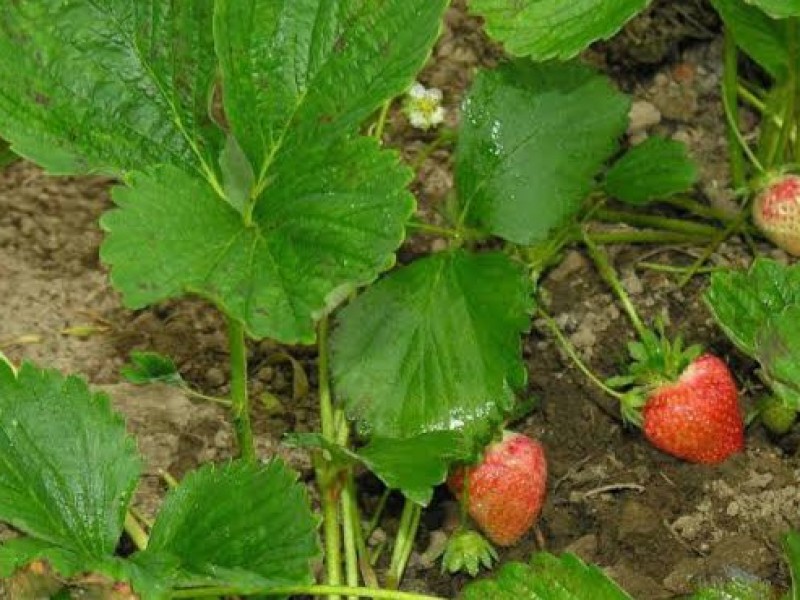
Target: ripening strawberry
[
  {"x": 776, "y": 212},
  {"x": 506, "y": 490},
  {"x": 696, "y": 418}
]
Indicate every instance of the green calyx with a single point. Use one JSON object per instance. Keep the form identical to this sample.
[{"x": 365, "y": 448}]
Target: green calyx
[
  {"x": 467, "y": 551},
  {"x": 656, "y": 361}
]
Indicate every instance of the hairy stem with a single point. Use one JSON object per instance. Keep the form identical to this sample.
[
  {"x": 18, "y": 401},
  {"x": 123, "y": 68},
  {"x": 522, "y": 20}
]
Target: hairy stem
[
  {"x": 327, "y": 480},
  {"x": 610, "y": 276},
  {"x": 407, "y": 531},
  {"x": 349, "y": 517},
  {"x": 135, "y": 531},
  {"x": 730, "y": 83},
  {"x": 640, "y": 237},
  {"x": 239, "y": 402},
  {"x": 655, "y": 222}
]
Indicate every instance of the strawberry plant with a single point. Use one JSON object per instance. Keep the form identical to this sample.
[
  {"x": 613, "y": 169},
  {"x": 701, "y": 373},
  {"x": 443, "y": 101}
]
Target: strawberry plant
[
  {"x": 235, "y": 131},
  {"x": 766, "y": 32},
  {"x": 685, "y": 401},
  {"x": 758, "y": 310}
]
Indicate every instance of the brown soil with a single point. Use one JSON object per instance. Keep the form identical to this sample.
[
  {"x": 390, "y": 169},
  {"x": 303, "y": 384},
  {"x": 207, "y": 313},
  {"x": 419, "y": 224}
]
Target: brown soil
[{"x": 658, "y": 525}]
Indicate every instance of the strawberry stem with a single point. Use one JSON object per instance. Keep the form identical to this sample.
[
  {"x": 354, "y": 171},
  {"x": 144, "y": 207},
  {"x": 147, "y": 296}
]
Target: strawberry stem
[
  {"x": 239, "y": 401},
  {"x": 730, "y": 85},
  {"x": 610, "y": 276},
  {"x": 732, "y": 227},
  {"x": 655, "y": 222},
  {"x": 326, "y": 476},
  {"x": 573, "y": 355},
  {"x": 404, "y": 543}
]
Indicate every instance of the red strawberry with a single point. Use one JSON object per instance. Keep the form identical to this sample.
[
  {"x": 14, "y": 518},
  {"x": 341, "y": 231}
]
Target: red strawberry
[
  {"x": 697, "y": 418},
  {"x": 505, "y": 492},
  {"x": 776, "y": 212}
]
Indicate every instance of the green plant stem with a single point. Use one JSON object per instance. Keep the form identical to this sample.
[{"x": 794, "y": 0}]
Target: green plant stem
[
  {"x": 404, "y": 543},
  {"x": 654, "y": 222},
  {"x": 674, "y": 269},
  {"x": 373, "y": 522},
  {"x": 434, "y": 229},
  {"x": 310, "y": 590},
  {"x": 753, "y": 100},
  {"x": 348, "y": 524},
  {"x": 610, "y": 276},
  {"x": 135, "y": 531},
  {"x": 698, "y": 208},
  {"x": 573, "y": 355},
  {"x": 327, "y": 479},
  {"x": 730, "y": 84},
  {"x": 380, "y": 124},
  {"x": 201, "y": 396},
  {"x": 239, "y": 402},
  {"x": 367, "y": 572},
  {"x": 639, "y": 237},
  {"x": 712, "y": 247}
]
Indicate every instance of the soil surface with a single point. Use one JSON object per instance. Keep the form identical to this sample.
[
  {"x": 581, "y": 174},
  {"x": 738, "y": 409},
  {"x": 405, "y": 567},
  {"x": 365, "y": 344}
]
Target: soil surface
[{"x": 658, "y": 525}]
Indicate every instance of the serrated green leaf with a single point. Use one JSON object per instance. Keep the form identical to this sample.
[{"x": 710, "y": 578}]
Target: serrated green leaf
[
  {"x": 434, "y": 346},
  {"x": 108, "y": 85},
  {"x": 778, "y": 9},
  {"x": 301, "y": 70},
  {"x": 777, "y": 349},
  {"x": 741, "y": 302},
  {"x": 532, "y": 139},
  {"x": 656, "y": 168},
  {"x": 238, "y": 524},
  {"x": 760, "y": 37},
  {"x": 151, "y": 367},
  {"x": 545, "y": 29},
  {"x": 68, "y": 468},
  {"x": 547, "y": 577},
  {"x": 331, "y": 223},
  {"x": 414, "y": 465}
]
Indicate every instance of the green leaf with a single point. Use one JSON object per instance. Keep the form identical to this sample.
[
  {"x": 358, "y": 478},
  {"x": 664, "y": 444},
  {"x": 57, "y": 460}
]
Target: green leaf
[
  {"x": 778, "y": 9},
  {"x": 109, "y": 85},
  {"x": 331, "y": 223},
  {"x": 238, "y": 524},
  {"x": 238, "y": 178},
  {"x": 151, "y": 367},
  {"x": 791, "y": 548},
  {"x": 742, "y": 302},
  {"x": 68, "y": 468},
  {"x": 414, "y": 465},
  {"x": 656, "y": 168},
  {"x": 533, "y": 138},
  {"x": 547, "y": 577},
  {"x": 545, "y": 29},
  {"x": 762, "y": 38},
  {"x": 297, "y": 71},
  {"x": 777, "y": 349},
  {"x": 434, "y": 346}
]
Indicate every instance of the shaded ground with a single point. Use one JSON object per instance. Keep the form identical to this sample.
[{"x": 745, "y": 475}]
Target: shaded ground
[{"x": 657, "y": 525}]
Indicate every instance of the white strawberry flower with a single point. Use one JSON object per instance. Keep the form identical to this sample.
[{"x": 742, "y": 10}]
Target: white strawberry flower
[{"x": 423, "y": 107}]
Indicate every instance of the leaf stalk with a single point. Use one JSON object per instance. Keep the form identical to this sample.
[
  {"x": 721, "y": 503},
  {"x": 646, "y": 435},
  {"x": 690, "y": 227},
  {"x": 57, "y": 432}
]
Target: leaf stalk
[{"x": 239, "y": 399}]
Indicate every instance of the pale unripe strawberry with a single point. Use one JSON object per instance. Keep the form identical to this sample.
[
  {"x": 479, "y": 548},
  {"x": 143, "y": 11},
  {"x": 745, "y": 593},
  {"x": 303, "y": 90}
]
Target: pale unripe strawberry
[
  {"x": 776, "y": 212},
  {"x": 507, "y": 489}
]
